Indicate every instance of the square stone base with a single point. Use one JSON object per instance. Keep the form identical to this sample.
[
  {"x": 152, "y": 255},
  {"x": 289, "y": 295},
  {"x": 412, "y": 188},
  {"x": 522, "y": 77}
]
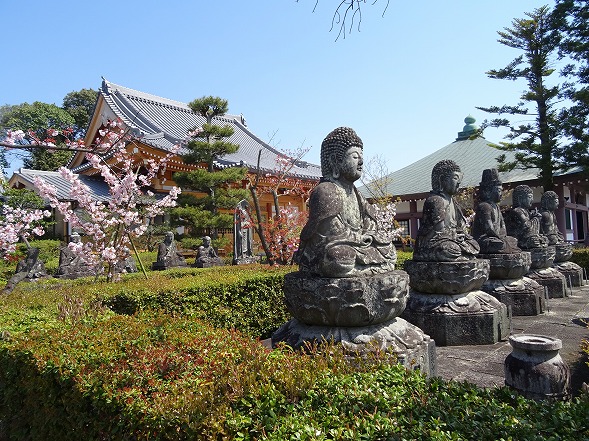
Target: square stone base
[
  {"x": 474, "y": 318},
  {"x": 524, "y": 295}
]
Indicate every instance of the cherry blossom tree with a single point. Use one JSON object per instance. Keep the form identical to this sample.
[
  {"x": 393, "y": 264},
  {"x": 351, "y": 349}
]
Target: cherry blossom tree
[
  {"x": 279, "y": 235},
  {"x": 110, "y": 226}
]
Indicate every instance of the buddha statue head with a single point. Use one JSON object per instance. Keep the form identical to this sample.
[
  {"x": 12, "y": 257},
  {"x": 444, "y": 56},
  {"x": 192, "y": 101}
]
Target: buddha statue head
[
  {"x": 549, "y": 201},
  {"x": 341, "y": 155},
  {"x": 446, "y": 177},
  {"x": 523, "y": 196}
]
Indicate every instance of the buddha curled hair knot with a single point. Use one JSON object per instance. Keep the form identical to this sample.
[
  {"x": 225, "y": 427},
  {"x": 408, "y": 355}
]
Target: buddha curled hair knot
[
  {"x": 334, "y": 147},
  {"x": 442, "y": 169}
]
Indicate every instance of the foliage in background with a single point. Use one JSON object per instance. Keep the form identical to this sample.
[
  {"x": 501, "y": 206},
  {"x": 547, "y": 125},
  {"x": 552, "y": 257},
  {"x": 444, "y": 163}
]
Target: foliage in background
[
  {"x": 572, "y": 19},
  {"x": 80, "y": 105},
  {"x": 39, "y": 120}
]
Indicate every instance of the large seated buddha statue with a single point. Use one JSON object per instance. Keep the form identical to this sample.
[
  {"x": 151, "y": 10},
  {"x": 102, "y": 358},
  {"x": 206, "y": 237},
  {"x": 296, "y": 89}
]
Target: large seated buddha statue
[
  {"x": 341, "y": 238},
  {"x": 442, "y": 236}
]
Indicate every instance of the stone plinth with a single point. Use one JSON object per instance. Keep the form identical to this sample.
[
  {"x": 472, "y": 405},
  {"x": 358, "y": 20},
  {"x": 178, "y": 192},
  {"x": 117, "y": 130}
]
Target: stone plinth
[
  {"x": 572, "y": 273},
  {"x": 473, "y": 318},
  {"x": 508, "y": 266},
  {"x": 551, "y": 279},
  {"x": 411, "y": 347},
  {"x": 524, "y": 295},
  {"x": 542, "y": 257},
  {"x": 349, "y": 301},
  {"x": 447, "y": 277},
  {"x": 564, "y": 252}
]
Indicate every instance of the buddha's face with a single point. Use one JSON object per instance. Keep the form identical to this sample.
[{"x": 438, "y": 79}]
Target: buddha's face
[
  {"x": 496, "y": 193},
  {"x": 351, "y": 165},
  {"x": 450, "y": 182},
  {"x": 526, "y": 200},
  {"x": 552, "y": 204}
]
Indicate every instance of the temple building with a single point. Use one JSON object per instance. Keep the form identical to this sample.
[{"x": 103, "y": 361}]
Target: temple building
[
  {"x": 411, "y": 185},
  {"x": 157, "y": 125}
]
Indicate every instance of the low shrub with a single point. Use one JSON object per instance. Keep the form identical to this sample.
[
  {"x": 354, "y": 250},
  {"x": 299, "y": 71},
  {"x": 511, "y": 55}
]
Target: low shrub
[{"x": 581, "y": 258}]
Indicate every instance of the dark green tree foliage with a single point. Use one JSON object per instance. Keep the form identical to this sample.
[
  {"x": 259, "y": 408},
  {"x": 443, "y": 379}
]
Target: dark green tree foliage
[
  {"x": 205, "y": 215},
  {"x": 572, "y": 18},
  {"x": 40, "y": 117},
  {"x": 534, "y": 142},
  {"x": 80, "y": 105}
]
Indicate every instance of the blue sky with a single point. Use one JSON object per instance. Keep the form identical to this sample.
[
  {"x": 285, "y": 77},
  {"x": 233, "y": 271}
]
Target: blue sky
[{"x": 405, "y": 81}]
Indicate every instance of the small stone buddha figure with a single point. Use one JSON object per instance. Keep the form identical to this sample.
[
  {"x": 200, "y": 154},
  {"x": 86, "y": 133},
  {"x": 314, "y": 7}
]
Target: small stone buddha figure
[
  {"x": 206, "y": 256},
  {"x": 341, "y": 237},
  {"x": 488, "y": 227},
  {"x": 548, "y": 225},
  {"x": 442, "y": 236},
  {"x": 168, "y": 255},
  {"x": 524, "y": 223},
  {"x": 70, "y": 264}
]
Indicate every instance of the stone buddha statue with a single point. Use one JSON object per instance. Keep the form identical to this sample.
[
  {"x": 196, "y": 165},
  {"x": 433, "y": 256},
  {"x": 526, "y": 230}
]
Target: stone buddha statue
[
  {"x": 548, "y": 226},
  {"x": 341, "y": 238},
  {"x": 442, "y": 236},
  {"x": 168, "y": 255},
  {"x": 488, "y": 227},
  {"x": 524, "y": 223},
  {"x": 206, "y": 256}
]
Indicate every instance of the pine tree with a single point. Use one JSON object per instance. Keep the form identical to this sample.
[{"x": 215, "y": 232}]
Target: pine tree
[
  {"x": 205, "y": 215},
  {"x": 572, "y": 18},
  {"x": 535, "y": 143}
]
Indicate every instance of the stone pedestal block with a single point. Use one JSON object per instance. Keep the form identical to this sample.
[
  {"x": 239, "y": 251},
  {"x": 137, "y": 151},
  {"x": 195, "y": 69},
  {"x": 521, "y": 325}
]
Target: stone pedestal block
[
  {"x": 508, "y": 266},
  {"x": 551, "y": 279},
  {"x": 564, "y": 252},
  {"x": 535, "y": 368},
  {"x": 447, "y": 277},
  {"x": 524, "y": 295},
  {"x": 474, "y": 318},
  {"x": 411, "y": 347},
  {"x": 349, "y": 301},
  {"x": 572, "y": 273},
  {"x": 542, "y": 257}
]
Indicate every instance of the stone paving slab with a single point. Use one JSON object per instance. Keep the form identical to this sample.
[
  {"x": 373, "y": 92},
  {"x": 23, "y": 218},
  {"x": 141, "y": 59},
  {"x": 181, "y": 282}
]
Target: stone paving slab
[{"x": 483, "y": 364}]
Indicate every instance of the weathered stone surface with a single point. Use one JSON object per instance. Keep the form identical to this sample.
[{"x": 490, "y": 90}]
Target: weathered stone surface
[
  {"x": 346, "y": 301},
  {"x": 564, "y": 251},
  {"x": 508, "y": 266},
  {"x": 413, "y": 348},
  {"x": 488, "y": 226},
  {"x": 72, "y": 266},
  {"x": 572, "y": 273},
  {"x": 168, "y": 255},
  {"x": 447, "y": 277},
  {"x": 542, "y": 257},
  {"x": 551, "y": 279},
  {"x": 522, "y": 222},
  {"x": 206, "y": 256},
  {"x": 243, "y": 250},
  {"x": 535, "y": 368},
  {"x": 524, "y": 295},
  {"x": 29, "y": 269},
  {"x": 474, "y": 318},
  {"x": 442, "y": 236}
]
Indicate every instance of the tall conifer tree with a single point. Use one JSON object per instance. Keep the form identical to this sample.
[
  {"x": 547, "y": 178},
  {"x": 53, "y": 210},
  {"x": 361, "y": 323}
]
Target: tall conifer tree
[{"x": 207, "y": 214}]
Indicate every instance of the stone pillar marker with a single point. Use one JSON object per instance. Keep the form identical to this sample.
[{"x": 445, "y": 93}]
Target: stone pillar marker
[
  {"x": 446, "y": 276},
  {"x": 524, "y": 223},
  {"x": 347, "y": 289},
  {"x": 563, "y": 250},
  {"x": 508, "y": 262}
]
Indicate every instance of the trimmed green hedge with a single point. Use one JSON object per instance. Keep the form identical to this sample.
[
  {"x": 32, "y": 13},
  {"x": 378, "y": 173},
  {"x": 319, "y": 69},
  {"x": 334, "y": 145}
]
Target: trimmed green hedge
[
  {"x": 169, "y": 366},
  {"x": 581, "y": 258}
]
